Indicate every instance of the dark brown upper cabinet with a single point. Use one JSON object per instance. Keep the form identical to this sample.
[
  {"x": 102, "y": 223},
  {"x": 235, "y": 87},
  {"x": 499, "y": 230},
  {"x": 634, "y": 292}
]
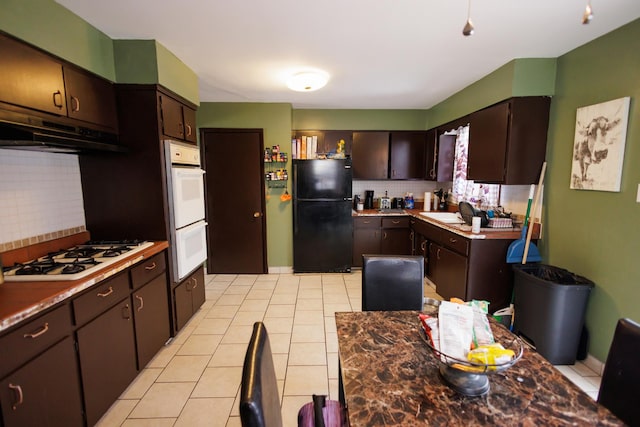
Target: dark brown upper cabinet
[
  {"x": 370, "y": 152},
  {"x": 407, "y": 155},
  {"x": 31, "y": 78},
  {"x": 445, "y": 157},
  {"x": 178, "y": 120},
  {"x": 431, "y": 161},
  {"x": 507, "y": 141},
  {"x": 90, "y": 98}
]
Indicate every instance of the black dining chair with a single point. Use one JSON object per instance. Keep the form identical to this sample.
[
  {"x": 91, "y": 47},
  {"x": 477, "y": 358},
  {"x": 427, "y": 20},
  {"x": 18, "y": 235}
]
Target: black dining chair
[
  {"x": 621, "y": 377},
  {"x": 259, "y": 399},
  {"x": 392, "y": 282}
]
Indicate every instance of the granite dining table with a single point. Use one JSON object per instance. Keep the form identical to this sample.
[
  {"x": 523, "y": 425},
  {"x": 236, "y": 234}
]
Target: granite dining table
[{"x": 389, "y": 376}]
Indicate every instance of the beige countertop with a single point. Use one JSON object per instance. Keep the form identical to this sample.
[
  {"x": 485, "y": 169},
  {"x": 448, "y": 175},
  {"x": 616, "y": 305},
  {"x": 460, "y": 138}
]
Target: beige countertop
[
  {"x": 460, "y": 229},
  {"x": 22, "y": 300}
]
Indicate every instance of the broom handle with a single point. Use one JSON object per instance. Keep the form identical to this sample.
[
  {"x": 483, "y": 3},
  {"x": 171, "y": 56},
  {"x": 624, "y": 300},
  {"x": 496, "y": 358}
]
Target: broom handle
[{"x": 533, "y": 213}]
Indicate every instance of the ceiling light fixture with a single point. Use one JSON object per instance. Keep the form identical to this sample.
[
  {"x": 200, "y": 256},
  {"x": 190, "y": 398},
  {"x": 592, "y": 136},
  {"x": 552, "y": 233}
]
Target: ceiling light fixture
[
  {"x": 587, "y": 16},
  {"x": 468, "y": 27},
  {"x": 308, "y": 81}
]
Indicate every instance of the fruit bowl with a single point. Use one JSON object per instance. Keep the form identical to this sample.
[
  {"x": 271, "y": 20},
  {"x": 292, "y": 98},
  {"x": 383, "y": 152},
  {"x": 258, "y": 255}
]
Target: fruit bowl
[{"x": 471, "y": 378}]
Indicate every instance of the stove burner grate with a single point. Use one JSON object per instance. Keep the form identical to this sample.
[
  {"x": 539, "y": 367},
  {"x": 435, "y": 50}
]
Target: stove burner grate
[{"x": 38, "y": 267}]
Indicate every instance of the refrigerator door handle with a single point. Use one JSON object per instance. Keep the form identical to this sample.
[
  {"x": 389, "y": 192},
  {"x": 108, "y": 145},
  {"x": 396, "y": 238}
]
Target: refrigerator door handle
[
  {"x": 347, "y": 166},
  {"x": 348, "y": 198}
]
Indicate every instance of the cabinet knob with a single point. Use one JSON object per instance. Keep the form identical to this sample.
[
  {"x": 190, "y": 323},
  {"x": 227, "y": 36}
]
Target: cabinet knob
[
  {"x": 438, "y": 253},
  {"x": 20, "y": 397},
  {"x": 41, "y": 331},
  {"x": 256, "y": 214}
]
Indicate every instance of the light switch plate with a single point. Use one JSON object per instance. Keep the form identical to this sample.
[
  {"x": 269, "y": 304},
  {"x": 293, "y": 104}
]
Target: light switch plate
[{"x": 638, "y": 195}]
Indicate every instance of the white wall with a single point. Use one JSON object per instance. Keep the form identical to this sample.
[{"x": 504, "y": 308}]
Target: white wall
[{"x": 40, "y": 193}]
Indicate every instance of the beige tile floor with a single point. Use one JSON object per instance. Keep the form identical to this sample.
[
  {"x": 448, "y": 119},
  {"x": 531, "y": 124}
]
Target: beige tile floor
[{"x": 195, "y": 379}]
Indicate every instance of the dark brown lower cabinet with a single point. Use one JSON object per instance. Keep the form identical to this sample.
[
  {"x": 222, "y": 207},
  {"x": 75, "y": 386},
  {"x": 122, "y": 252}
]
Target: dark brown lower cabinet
[
  {"x": 188, "y": 296},
  {"x": 45, "y": 391},
  {"x": 395, "y": 236},
  {"x": 448, "y": 271},
  {"x": 366, "y": 238},
  {"x": 107, "y": 352},
  {"x": 150, "y": 312}
]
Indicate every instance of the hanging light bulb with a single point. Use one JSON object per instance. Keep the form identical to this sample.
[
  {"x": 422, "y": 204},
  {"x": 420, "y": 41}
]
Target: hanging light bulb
[
  {"x": 468, "y": 26},
  {"x": 588, "y": 14}
]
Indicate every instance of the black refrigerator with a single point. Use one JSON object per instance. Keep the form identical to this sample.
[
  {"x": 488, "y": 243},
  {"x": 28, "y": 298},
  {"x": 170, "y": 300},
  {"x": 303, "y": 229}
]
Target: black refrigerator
[{"x": 322, "y": 224}]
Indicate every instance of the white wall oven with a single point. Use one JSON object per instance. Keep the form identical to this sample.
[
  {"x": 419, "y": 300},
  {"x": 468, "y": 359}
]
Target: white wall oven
[{"x": 186, "y": 205}]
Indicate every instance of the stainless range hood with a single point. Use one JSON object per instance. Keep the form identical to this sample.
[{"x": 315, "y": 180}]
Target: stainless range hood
[{"x": 26, "y": 132}]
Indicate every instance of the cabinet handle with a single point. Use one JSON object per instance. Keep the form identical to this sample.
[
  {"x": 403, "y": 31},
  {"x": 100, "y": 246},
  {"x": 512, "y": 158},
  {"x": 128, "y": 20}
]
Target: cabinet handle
[
  {"x": 395, "y": 222},
  {"x": 384, "y": 235},
  {"x": 188, "y": 130},
  {"x": 57, "y": 99},
  {"x": 150, "y": 267},
  {"x": 42, "y": 330},
  {"x": 438, "y": 253},
  {"x": 367, "y": 222},
  {"x": 75, "y": 104},
  {"x": 411, "y": 236},
  {"x": 18, "y": 390},
  {"x": 126, "y": 313},
  {"x": 452, "y": 240},
  {"x": 181, "y": 128},
  {"x": 423, "y": 246},
  {"x": 195, "y": 283},
  {"x": 106, "y": 294},
  {"x": 139, "y": 298}
]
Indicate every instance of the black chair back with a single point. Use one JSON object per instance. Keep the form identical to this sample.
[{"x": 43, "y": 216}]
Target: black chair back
[
  {"x": 392, "y": 282},
  {"x": 621, "y": 377},
  {"x": 259, "y": 401}
]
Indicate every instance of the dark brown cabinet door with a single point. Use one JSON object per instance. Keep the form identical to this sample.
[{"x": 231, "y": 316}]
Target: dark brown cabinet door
[
  {"x": 365, "y": 241},
  {"x": 396, "y": 241},
  {"x": 107, "y": 358},
  {"x": 172, "y": 121},
  {"x": 445, "y": 157},
  {"x": 90, "y": 98},
  {"x": 44, "y": 392},
  {"x": 151, "y": 315},
  {"x": 190, "y": 131},
  {"x": 407, "y": 155},
  {"x": 448, "y": 271},
  {"x": 370, "y": 155},
  {"x": 189, "y": 297},
  {"x": 431, "y": 165},
  {"x": 30, "y": 78},
  {"x": 488, "y": 132}
]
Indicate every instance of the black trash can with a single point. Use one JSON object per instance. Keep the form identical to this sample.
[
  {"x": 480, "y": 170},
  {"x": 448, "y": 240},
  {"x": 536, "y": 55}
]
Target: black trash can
[{"x": 550, "y": 305}]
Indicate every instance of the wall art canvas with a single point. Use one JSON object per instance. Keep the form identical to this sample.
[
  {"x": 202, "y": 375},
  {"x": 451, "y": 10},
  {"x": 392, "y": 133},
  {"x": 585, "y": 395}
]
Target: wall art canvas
[{"x": 598, "y": 147}]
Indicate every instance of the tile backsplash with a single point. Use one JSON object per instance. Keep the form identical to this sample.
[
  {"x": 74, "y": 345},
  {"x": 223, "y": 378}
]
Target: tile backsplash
[
  {"x": 397, "y": 188},
  {"x": 40, "y": 197}
]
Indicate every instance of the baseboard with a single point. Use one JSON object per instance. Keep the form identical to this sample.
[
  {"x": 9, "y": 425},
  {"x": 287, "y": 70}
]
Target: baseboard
[
  {"x": 281, "y": 270},
  {"x": 594, "y": 364}
]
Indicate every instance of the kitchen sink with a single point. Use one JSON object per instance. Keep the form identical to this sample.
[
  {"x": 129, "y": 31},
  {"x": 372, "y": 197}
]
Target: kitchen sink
[{"x": 446, "y": 217}]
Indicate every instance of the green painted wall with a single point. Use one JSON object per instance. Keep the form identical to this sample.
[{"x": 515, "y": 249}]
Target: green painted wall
[
  {"x": 359, "y": 119},
  {"x": 520, "y": 77},
  {"x": 135, "y": 61},
  {"x": 275, "y": 120},
  {"x": 593, "y": 233},
  {"x": 55, "y": 29},
  {"x": 147, "y": 61}
]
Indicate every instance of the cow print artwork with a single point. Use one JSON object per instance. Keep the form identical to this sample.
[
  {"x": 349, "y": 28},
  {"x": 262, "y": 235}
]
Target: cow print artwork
[{"x": 598, "y": 149}]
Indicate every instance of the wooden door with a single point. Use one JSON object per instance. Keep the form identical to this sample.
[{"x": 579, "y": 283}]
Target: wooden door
[
  {"x": 488, "y": 133},
  {"x": 235, "y": 200},
  {"x": 407, "y": 155},
  {"x": 90, "y": 98}
]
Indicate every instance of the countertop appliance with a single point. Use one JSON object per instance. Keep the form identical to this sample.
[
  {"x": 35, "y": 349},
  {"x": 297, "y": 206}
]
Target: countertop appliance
[
  {"x": 322, "y": 224},
  {"x": 74, "y": 263},
  {"x": 368, "y": 199},
  {"x": 187, "y": 238}
]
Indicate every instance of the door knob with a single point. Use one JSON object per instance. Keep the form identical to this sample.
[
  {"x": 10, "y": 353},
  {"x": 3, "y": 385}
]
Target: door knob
[{"x": 256, "y": 214}]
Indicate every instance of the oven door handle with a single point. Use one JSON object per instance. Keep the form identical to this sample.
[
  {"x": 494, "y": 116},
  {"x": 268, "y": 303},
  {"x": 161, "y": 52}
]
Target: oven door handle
[
  {"x": 192, "y": 227},
  {"x": 188, "y": 172}
]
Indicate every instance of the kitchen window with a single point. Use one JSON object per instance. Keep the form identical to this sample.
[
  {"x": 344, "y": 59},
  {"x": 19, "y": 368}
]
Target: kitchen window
[{"x": 479, "y": 195}]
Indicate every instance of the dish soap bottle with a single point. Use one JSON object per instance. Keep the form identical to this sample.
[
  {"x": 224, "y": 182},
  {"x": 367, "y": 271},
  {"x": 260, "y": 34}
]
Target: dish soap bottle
[{"x": 408, "y": 201}]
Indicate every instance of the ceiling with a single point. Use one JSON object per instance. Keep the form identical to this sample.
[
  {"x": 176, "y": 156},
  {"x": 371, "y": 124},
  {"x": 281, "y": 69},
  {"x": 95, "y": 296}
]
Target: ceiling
[{"x": 389, "y": 54}]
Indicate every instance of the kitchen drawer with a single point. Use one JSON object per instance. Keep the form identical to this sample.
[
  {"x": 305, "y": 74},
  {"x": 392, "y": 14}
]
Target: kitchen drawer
[
  {"x": 395, "y": 222},
  {"x": 367, "y": 222},
  {"x": 33, "y": 337},
  {"x": 455, "y": 242},
  {"x": 100, "y": 297},
  {"x": 429, "y": 231},
  {"x": 148, "y": 269}
]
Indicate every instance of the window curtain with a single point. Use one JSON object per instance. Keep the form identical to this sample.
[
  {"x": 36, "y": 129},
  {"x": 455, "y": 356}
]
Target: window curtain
[{"x": 479, "y": 195}]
